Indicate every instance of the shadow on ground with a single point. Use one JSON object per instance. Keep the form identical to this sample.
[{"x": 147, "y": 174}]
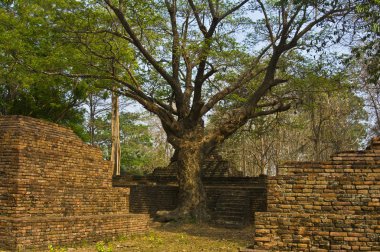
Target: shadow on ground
[{"x": 244, "y": 235}]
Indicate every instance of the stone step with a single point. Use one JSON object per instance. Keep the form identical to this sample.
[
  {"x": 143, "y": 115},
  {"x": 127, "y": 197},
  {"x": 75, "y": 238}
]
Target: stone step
[
  {"x": 234, "y": 195},
  {"x": 229, "y": 208},
  {"x": 226, "y": 207},
  {"x": 227, "y": 216},
  {"x": 374, "y": 145},
  {"x": 230, "y": 214},
  {"x": 233, "y": 198},
  {"x": 222, "y": 214},
  {"x": 231, "y": 224},
  {"x": 232, "y": 209},
  {"x": 332, "y": 164},
  {"x": 229, "y": 205},
  {"x": 367, "y": 162},
  {"x": 355, "y": 153},
  {"x": 355, "y": 158}
]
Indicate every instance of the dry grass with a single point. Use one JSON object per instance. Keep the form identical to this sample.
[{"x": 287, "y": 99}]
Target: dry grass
[{"x": 177, "y": 237}]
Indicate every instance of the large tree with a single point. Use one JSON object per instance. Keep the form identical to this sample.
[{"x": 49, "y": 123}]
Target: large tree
[
  {"x": 199, "y": 71},
  {"x": 180, "y": 59}
]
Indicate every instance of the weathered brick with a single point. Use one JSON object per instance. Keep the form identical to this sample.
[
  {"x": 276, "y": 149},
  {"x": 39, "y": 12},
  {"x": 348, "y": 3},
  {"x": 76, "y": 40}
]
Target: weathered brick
[
  {"x": 340, "y": 199},
  {"x": 58, "y": 189},
  {"x": 262, "y": 239}
]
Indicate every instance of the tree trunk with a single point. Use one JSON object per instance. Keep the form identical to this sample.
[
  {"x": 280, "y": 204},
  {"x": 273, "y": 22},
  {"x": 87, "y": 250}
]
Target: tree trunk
[
  {"x": 192, "y": 196},
  {"x": 188, "y": 158},
  {"x": 115, "y": 132},
  {"x": 92, "y": 119}
]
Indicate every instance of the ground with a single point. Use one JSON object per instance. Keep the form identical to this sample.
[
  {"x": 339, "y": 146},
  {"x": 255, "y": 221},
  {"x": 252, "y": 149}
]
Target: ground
[{"x": 174, "y": 237}]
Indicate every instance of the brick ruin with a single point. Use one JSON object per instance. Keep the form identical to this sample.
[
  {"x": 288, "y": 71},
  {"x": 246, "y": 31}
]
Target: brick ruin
[
  {"x": 231, "y": 201},
  {"x": 324, "y": 206},
  {"x": 55, "y": 189},
  {"x": 309, "y": 206}
]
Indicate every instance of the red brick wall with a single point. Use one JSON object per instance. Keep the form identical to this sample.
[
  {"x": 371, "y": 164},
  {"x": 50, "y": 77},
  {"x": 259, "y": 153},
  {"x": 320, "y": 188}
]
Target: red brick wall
[
  {"x": 149, "y": 196},
  {"x": 357, "y": 194},
  {"x": 54, "y": 187},
  {"x": 328, "y": 206},
  {"x": 317, "y": 232}
]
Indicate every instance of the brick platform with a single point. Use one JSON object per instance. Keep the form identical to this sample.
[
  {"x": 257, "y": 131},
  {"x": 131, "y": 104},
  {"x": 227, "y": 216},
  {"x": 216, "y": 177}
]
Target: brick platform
[
  {"x": 231, "y": 201},
  {"x": 55, "y": 189}
]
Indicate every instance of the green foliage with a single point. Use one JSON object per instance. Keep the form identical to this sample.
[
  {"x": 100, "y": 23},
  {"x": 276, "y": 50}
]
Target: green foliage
[
  {"x": 102, "y": 247},
  {"x": 367, "y": 52},
  {"x": 369, "y": 11},
  {"x": 56, "y": 249},
  {"x": 34, "y": 48},
  {"x": 140, "y": 151},
  {"x": 327, "y": 118},
  {"x": 153, "y": 238},
  {"x": 62, "y": 52}
]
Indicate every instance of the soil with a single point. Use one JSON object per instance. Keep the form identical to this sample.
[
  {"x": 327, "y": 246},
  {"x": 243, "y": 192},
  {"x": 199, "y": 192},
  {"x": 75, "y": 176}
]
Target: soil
[{"x": 176, "y": 237}]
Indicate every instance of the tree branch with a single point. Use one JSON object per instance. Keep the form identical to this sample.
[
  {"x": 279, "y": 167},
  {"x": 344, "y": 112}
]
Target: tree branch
[
  {"x": 136, "y": 41},
  {"x": 197, "y": 106},
  {"x": 189, "y": 66},
  {"x": 212, "y": 8},
  {"x": 172, "y": 9},
  {"x": 201, "y": 26},
  {"x": 280, "y": 108},
  {"x": 245, "y": 77},
  {"x": 267, "y": 24},
  {"x": 229, "y": 12},
  {"x": 228, "y": 126},
  {"x": 299, "y": 35},
  {"x": 167, "y": 120}
]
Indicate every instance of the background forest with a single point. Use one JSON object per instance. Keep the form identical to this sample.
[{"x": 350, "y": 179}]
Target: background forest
[{"x": 336, "y": 95}]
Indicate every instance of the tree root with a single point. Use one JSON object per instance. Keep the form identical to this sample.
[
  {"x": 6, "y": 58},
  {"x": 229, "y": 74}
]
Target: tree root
[
  {"x": 167, "y": 216},
  {"x": 176, "y": 215}
]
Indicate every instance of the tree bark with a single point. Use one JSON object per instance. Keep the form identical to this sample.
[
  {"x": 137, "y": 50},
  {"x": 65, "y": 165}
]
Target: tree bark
[
  {"x": 192, "y": 195},
  {"x": 188, "y": 159},
  {"x": 92, "y": 119},
  {"x": 115, "y": 132}
]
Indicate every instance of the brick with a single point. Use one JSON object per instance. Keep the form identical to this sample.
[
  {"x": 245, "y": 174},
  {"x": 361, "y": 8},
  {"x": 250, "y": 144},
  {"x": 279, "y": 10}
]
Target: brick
[
  {"x": 365, "y": 248},
  {"x": 350, "y": 238},
  {"x": 61, "y": 188},
  {"x": 262, "y": 239},
  {"x": 373, "y": 203}
]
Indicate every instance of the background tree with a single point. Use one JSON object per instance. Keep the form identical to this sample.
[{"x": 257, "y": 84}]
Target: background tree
[
  {"x": 26, "y": 43},
  {"x": 365, "y": 60},
  {"x": 37, "y": 62},
  {"x": 328, "y": 118},
  {"x": 142, "y": 151},
  {"x": 96, "y": 105}
]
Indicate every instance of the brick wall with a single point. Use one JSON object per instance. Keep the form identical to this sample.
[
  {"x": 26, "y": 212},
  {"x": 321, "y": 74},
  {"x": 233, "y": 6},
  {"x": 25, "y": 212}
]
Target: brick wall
[
  {"x": 316, "y": 232},
  {"x": 328, "y": 206},
  {"x": 150, "y": 194},
  {"x": 55, "y": 189},
  {"x": 330, "y": 168},
  {"x": 350, "y": 194},
  {"x": 152, "y": 198}
]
